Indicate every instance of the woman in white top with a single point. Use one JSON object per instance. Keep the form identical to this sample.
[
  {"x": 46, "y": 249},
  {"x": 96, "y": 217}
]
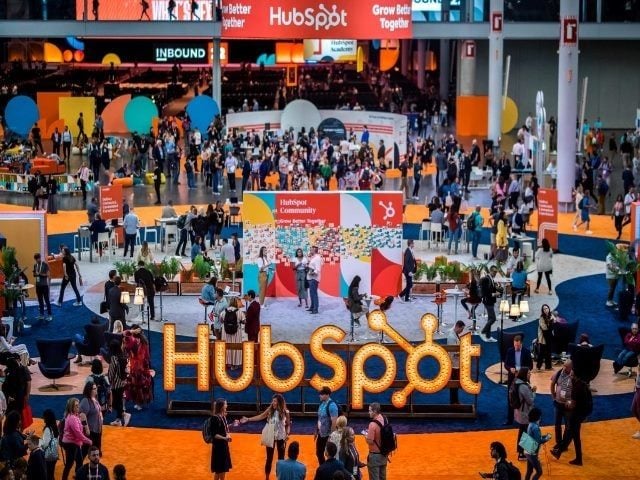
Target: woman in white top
[
  {"x": 336, "y": 436},
  {"x": 544, "y": 264},
  {"x": 278, "y": 415},
  {"x": 20, "y": 349},
  {"x": 145, "y": 254},
  {"x": 299, "y": 264},
  {"x": 263, "y": 270},
  {"x": 578, "y": 196},
  {"x": 233, "y": 357}
]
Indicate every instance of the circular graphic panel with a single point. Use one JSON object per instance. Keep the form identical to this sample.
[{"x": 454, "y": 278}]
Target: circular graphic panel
[
  {"x": 139, "y": 114},
  {"x": 298, "y": 114},
  {"x": 332, "y": 128},
  {"x": 202, "y": 110},
  {"x": 20, "y": 114}
]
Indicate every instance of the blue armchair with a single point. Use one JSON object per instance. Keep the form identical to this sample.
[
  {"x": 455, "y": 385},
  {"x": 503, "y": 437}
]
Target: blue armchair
[{"x": 54, "y": 358}]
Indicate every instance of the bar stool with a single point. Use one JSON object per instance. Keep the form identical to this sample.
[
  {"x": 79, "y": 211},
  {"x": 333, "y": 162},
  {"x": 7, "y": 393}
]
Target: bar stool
[
  {"x": 206, "y": 306},
  {"x": 440, "y": 299}
]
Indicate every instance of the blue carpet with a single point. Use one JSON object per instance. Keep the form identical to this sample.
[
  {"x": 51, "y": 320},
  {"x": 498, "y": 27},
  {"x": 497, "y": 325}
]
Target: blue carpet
[{"x": 577, "y": 303}]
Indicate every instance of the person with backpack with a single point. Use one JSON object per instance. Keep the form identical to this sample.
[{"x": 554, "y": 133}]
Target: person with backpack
[
  {"x": 521, "y": 398},
  {"x": 101, "y": 381},
  {"x": 328, "y": 413},
  {"x": 381, "y": 441},
  {"x": 517, "y": 358},
  {"x": 474, "y": 228},
  {"x": 50, "y": 441},
  {"x": 578, "y": 405},
  {"x": 502, "y": 469},
  {"x": 233, "y": 318}
]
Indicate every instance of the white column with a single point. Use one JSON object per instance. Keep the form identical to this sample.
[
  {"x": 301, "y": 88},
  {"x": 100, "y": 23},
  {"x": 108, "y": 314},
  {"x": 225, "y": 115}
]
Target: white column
[
  {"x": 567, "y": 98},
  {"x": 444, "y": 66},
  {"x": 216, "y": 74},
  {"x": 467, "y": 82},
  {"x": 422, "y": 56},
  {"x": 496, "y": 54},
  {"x": 405, "y": 53}
]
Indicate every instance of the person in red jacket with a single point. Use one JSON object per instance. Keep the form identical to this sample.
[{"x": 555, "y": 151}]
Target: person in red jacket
[
  {"x": 252, "y": 318},
  {"x": 631, "y": 348}
]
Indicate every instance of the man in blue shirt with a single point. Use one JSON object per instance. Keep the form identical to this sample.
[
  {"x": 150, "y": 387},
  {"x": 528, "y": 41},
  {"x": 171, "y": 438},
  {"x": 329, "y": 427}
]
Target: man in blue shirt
[
  {"x": 291, "y": 469},
  {"x": 365, "y": 135},
  {"x": 130, "y": 224},
  {"x": 327, "y": 416}
]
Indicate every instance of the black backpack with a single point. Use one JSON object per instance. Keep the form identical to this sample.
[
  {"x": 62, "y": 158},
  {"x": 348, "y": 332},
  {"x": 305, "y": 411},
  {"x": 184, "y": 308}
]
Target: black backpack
[
  {"x": 513, "y": 472},
  {"x": 182, "y": 222},
  {"x": 514, "y": 395},
  {"x": 206, "y": 430},
  {"x": 471, "y": 222},
  {"x": 103, "y": 390},
  {"x": 388, "y": 440},
  {"x": 230, "y": 322}
]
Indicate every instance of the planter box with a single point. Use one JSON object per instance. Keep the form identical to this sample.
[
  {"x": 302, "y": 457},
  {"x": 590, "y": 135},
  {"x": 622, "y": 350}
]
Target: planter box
[
  {"x": 424, "y": 288},
  {"x": 191, "y": 288},
  {"x": 173, "y": 288}
]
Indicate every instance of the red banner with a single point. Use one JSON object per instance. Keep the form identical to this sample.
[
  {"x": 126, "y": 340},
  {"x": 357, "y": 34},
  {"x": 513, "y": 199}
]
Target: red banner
[
  {"x": 300, "y": 19},
  {"x": 548, "y": 216},
  {"x": 111, "y": 202}
]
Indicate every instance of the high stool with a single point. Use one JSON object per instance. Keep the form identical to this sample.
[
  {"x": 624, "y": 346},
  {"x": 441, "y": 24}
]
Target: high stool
[{"x": 440, "y": 299}]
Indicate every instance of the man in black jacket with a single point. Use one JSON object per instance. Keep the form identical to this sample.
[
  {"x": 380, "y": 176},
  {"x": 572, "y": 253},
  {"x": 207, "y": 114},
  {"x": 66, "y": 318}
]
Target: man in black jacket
[
  {"x": 409, "y": 267},
  {"x": 489, "y": 293},
  {"x": 93, "y": 469},
  {"x": 36, "y": 466},
  {"x": 331, "y": 464},
  {"x": 145, "y": 278}
]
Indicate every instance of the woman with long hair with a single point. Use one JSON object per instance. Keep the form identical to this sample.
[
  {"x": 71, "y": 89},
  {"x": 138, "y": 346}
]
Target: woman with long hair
[
  {"x": 90, "y": 406},
  {"x": 473, "y": 295},
  {"x": 299, "y": 264},
  {"x": 145, "y": 253},
  {"x": 118, "y": 381},
  {"x": 335, "y": 437},
  {"x": 263, "y": 269},
  {"x": 545, "y": 337},
  {"x": 277, "y": 415},
  {"x": 617, "y": 213},
  {"x": 49, "y": 442},
  {"x": 219, "y": 431},
  {"x": 139, "y": 386},
  {"x": 234, "y": 357},
  {"x": 527, "y": 395},
  {"x": 354, "y": 300},
  {"x": 13, "y": 446},
  {"x": 544, "y": 264},
  {"x": 348, "y": 453},
  {"x": 73, "y": 437}
]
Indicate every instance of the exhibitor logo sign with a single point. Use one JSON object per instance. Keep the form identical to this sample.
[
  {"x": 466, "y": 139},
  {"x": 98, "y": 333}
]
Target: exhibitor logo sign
[
  {"x": 347, "y": 19},
  {"x": 180, "y": 53}
]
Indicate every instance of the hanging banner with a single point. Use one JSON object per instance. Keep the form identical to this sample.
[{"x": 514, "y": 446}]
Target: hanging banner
[
  {"x": 357, "y": 233},
  {"x": 548, "y": 216},
  {"x": 111, "y": 202},
  {"x": 345, "y": 19},
  {"x": 146, "y": 10}
]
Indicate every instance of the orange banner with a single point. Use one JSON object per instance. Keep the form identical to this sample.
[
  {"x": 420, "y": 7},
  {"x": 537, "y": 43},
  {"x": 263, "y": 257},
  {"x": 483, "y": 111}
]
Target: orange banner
[
  {"x": 548, "y": 216},
  {"x": 111, "y": 202},
  {"x": 300, "y": 19}
]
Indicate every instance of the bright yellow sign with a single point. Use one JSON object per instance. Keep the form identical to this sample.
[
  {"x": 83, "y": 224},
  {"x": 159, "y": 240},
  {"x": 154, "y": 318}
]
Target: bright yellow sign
[{"x": 360, "y": 382}]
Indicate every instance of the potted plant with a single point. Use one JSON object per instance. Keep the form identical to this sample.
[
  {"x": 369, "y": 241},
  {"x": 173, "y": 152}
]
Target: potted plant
[
  {"x": 125, "y": 269},
  {"x": 170, "y": 268},
  {"x": 201, "y": 267},
  {"x": 626, "y": 265}
]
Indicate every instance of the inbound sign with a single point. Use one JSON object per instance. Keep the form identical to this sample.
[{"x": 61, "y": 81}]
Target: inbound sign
[{"x": 180, "y": 53}]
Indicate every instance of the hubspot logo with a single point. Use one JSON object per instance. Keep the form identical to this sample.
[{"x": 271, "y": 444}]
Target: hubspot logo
[{"x": 310, "y": 17}]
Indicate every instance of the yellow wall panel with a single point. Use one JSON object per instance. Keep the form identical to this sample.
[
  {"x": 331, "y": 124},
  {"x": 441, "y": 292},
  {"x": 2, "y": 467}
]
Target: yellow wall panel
[{"x": 70, "y": 108}]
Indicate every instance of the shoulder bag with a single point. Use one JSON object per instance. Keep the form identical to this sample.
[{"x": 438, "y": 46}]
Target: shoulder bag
[
  {"x": 528, "y": 444},
  {"x": 268, "y": 437}
]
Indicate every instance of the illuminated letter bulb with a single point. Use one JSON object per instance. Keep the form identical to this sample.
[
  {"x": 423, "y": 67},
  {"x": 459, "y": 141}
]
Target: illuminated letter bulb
[
  {"x": 268, "y": 354},
  {"x": 200, "y": 358},
  {"x": 468, "y": 350},
  {"x": 219, "y": 365},
  {"x": 359, "y": 379}
]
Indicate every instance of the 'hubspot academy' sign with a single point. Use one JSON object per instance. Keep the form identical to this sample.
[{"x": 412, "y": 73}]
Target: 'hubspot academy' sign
[{"x": 360, "y": 381}]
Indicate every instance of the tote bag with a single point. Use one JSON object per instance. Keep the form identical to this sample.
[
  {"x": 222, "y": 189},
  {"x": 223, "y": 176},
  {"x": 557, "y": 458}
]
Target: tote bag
[
  {"x": 268, "y": 437},
  {"x": 528, "y": 444}
]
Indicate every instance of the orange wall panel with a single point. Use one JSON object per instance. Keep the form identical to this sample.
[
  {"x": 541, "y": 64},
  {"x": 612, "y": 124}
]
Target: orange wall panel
[{"x": 472, "y": 116}]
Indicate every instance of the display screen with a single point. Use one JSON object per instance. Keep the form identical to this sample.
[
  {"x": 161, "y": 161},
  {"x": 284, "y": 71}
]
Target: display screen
[{"x": 147, "y": 10}]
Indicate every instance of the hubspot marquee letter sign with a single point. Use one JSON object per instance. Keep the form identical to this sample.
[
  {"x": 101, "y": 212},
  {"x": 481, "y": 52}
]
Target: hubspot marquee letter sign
[
  {"x": 345, "y": 19},
  {"x": 360, "y": 381}
]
